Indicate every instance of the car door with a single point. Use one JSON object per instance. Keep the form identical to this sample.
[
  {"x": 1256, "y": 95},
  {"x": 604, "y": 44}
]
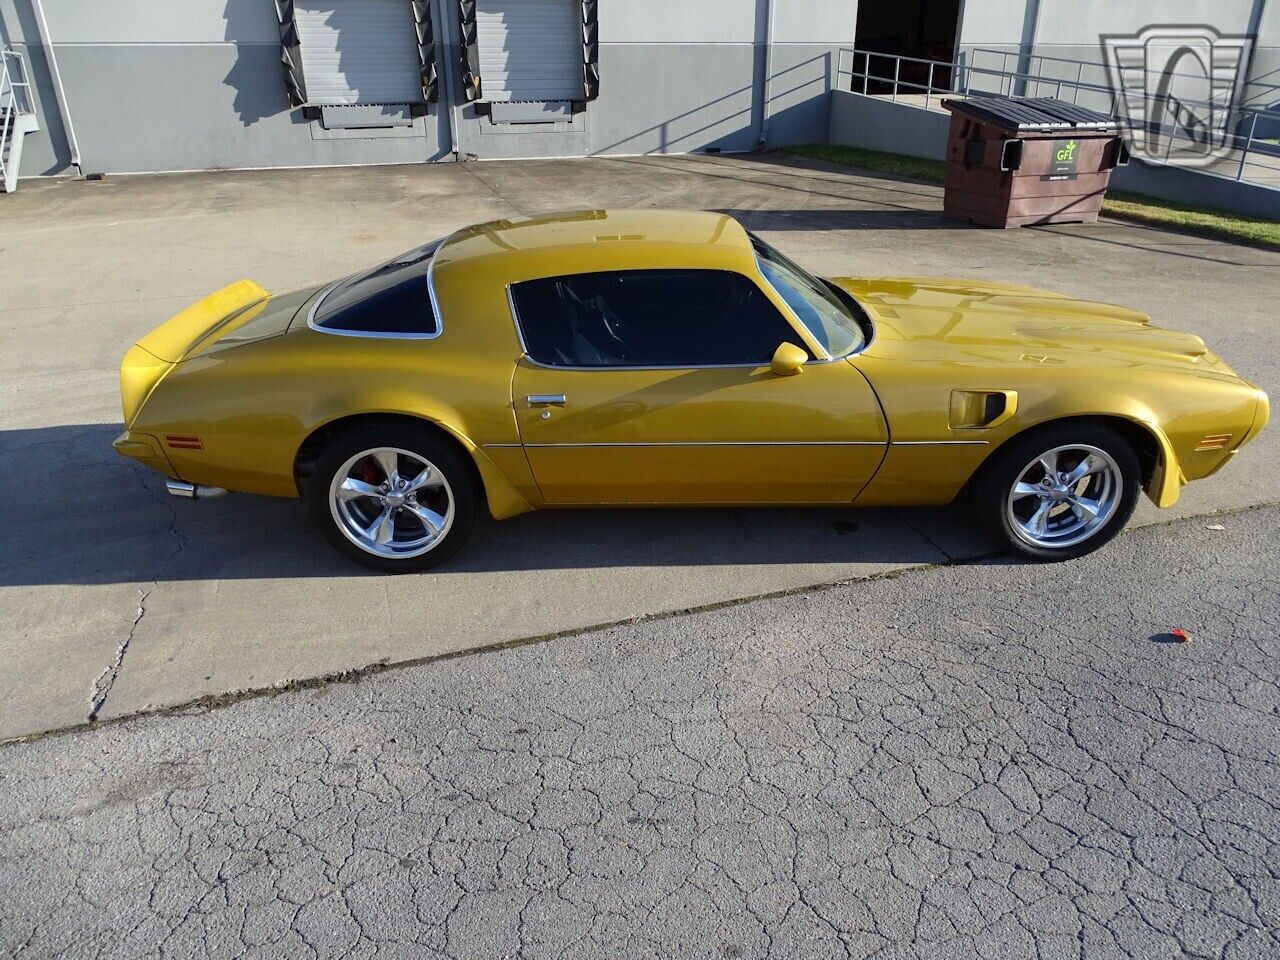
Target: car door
[{"x": 654, "y": 386}]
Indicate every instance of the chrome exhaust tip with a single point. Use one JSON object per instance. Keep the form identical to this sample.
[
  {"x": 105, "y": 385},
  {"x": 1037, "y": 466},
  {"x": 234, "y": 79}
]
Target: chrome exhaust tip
[{"x": 192, "y": 491}]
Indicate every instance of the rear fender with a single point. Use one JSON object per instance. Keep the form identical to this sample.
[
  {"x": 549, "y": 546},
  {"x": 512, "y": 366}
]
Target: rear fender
[{"x": 502, "y": 482}]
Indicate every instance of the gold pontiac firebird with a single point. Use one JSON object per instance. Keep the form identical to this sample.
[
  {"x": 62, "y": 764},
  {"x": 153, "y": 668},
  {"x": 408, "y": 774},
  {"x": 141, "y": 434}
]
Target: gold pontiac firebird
[{"x": 652, "y": 357}]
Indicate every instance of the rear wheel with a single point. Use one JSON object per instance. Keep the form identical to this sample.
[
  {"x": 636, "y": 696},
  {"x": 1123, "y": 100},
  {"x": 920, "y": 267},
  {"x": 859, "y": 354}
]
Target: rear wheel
[
  {"x": 395, "y": 498},
  {"x": 1061, "y": 491}
]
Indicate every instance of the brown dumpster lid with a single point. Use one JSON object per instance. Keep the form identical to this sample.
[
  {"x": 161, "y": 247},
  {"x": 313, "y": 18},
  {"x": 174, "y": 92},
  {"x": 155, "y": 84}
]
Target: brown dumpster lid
[{"x": 1033, "y": 114}]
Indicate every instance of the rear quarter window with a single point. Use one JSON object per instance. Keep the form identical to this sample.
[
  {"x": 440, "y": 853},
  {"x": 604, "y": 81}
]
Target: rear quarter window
[{"x": 392, "y": 300}]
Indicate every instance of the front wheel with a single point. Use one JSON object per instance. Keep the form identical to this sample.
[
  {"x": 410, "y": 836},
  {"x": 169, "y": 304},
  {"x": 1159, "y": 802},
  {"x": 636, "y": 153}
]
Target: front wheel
[
  {"x": 1061, "y": 491},
  {"x": 395, "y": 498}
]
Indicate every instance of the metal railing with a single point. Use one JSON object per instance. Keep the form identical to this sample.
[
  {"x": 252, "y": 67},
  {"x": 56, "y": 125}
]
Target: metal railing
[
  {"x": 1040, "y": 64},
  {"x": 15, "y": 99},
  {"x": 923, "y": 83},
  {"x": 962, "y": 82}
]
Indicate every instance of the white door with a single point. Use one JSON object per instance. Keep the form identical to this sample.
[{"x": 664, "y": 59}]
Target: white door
[
  {"x": 530, "y": 49},
  {"x": 358, "y": 51}
]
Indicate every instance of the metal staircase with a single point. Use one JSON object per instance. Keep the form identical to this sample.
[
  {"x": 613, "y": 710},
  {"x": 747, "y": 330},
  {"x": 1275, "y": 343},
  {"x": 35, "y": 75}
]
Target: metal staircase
[{"x": 17, "y": 116}]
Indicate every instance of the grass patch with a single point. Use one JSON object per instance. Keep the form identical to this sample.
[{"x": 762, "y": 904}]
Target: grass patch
[
  {"x": 915, "y": 168},
  {"x": 1198, "y": 220},
  {"x": 1127, "y": 206}
]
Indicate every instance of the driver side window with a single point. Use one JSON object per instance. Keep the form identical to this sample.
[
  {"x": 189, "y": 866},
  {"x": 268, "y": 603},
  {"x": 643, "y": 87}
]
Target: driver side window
[{"x": 649, "y": 318}]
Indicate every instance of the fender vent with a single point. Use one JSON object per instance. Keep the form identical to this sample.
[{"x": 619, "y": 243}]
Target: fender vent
[{"x": 981, "y": 409}]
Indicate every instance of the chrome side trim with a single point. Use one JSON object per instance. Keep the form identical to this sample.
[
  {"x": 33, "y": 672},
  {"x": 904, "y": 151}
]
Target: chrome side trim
[
  {"x": 755, "y": 443},
  {"x": 390, "y": 334},
  {"x": 750, "y": 443},
  {"x": 707, "y": 443},
  {"x": 941, "y": 443},
  {"x": 675, "y": 366}
]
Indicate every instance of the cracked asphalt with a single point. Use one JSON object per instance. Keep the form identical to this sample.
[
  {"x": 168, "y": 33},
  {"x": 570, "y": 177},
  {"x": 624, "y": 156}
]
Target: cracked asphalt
[
  {"x": 243, "y": 594},
  {"x": 979, "y": 760}
]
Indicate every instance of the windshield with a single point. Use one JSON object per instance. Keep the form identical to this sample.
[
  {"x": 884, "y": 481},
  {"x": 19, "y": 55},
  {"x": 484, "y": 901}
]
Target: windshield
[{"x": 833, "y": 323}]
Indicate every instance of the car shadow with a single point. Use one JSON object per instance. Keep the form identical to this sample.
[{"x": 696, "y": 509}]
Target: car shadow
[{"x": 89, "y": 516}]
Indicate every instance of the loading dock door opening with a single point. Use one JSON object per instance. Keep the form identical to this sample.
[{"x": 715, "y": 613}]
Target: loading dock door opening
[
  {"x": 925, "y": 29},
  {"x": 530, "y": 49},
  {"x": 358, "y": 51}
]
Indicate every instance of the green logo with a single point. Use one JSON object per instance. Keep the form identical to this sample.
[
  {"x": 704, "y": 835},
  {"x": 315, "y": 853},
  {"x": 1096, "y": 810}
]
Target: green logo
[{"x": 1064, "y": 156}]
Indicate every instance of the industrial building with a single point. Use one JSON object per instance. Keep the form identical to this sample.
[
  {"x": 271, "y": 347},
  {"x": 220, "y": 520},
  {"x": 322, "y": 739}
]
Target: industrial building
[{"x": 152, "y": 85}]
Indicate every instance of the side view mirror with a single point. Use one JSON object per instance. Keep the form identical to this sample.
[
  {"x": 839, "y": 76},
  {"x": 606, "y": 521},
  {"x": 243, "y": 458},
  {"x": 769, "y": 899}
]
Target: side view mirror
[{"x": 788, "y": 360}]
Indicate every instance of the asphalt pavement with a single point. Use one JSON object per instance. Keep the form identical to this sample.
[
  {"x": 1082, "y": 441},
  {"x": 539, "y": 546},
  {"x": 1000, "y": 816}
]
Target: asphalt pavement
[
  {"x": 118, "y": 599},
  {"x": 987, "y": 760}
]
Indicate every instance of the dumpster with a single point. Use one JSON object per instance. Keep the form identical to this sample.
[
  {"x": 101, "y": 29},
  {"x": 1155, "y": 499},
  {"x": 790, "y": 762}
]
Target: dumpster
[{"x": 1018, "y": 160}]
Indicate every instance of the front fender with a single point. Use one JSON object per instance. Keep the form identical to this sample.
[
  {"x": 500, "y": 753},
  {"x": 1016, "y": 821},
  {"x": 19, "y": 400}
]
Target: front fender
[{"x": 1167, "y": 478}]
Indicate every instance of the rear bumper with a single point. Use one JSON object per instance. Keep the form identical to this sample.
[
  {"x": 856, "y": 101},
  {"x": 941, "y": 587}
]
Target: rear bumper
[{"x": 145, "y": 449}]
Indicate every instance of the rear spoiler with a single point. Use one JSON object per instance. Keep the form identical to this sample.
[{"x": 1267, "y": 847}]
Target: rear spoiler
[{"x": 181, "y": 333}]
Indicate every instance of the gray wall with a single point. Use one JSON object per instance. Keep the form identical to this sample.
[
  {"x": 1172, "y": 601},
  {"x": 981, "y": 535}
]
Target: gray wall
[
  {"x": 155, "y": 85},
  {"x": 158, "y": 85},
  {"x": 874, "y": 123}
]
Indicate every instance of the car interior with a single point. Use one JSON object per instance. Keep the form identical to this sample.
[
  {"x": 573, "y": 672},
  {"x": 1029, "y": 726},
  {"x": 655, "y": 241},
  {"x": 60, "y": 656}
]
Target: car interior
[{"x": 649, "y": 317}]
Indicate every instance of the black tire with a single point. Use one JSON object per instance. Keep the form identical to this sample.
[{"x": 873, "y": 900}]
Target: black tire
[
  {"x": 423, "y": 443},
  {"x": 993, "y": 491}
]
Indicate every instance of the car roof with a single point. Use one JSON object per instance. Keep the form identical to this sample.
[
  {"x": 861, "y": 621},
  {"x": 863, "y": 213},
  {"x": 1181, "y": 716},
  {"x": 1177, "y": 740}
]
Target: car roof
[{"x": 586, "y": 241}]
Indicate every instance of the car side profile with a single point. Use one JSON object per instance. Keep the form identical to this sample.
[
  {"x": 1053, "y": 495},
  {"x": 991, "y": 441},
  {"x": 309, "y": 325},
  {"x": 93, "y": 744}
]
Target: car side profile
[{"x": 653, "y": 357}]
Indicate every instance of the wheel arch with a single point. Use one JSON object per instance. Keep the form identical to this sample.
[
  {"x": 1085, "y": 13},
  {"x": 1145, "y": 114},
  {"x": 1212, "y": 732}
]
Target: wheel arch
[
  {"x": 1160, "y": 475},
  {"x": 501, "y": 497}
]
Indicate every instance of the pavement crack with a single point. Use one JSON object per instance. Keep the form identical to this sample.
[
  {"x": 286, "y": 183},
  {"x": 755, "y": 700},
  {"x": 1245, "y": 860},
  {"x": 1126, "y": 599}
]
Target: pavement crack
[
  {"x": 470, "y": 168},
  {"x": 932, "y": 542},
  {"x": 107, "y": 679}
]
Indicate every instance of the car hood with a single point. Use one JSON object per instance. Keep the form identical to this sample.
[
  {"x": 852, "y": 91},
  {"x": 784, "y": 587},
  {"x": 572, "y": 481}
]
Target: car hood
[{"x": 937, "y": 320}]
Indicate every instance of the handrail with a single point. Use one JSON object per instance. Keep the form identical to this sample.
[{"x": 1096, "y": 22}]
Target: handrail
[
  {"x": 11, "y": 106},
  {"x": 1081, "y": 64},
  {"x": 1160, "y": 123},
  {"x": 968, "y": 69},
  {"x": 7, "y": 94},
  {"x": 6, "y": 80}
]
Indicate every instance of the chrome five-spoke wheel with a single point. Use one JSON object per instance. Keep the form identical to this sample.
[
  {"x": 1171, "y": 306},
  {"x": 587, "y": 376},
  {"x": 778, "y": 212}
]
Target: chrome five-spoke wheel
[
  {"x": 1061, "y": 490},
  {"x": 391, "y": 502},
  {"x": 394, "y": 495},
  {"x": 1065, "y": 495}
]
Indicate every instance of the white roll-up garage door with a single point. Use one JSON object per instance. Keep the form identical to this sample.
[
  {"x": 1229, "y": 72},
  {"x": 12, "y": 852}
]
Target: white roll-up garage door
[
  {"x": 530, "y": 49},
  {"x": 358, "y": 51}
]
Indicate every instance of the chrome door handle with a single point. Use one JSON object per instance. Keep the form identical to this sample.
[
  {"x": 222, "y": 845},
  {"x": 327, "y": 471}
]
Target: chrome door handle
[{"x": 546, "y": 399}]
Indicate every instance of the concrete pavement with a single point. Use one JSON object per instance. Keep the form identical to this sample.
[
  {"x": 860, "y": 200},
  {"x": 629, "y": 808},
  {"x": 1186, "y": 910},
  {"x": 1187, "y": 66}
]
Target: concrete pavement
[
  {"x": 118, "y": 599},
  {"x": 977, "y": 761}
]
